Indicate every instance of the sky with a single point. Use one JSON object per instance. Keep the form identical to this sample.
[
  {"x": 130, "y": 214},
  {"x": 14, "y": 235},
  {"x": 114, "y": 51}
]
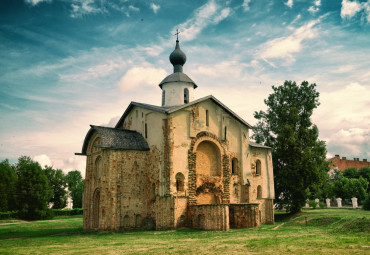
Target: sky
[{"x": 66, "y": 64}]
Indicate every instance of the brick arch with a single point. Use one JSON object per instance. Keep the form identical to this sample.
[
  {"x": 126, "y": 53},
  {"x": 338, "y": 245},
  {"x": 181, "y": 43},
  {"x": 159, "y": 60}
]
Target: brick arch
[
  {"x": 224, "y": 163},
  {"x": 206, "y": 136}
]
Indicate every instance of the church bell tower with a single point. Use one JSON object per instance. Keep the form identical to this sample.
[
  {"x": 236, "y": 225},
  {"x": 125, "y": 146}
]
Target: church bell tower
[{"x": 177, "y": 88}]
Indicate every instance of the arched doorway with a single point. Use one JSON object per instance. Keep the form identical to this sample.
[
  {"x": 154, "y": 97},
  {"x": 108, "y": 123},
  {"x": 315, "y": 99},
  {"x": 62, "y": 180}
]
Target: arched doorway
[{"x": 95, "y": 209}]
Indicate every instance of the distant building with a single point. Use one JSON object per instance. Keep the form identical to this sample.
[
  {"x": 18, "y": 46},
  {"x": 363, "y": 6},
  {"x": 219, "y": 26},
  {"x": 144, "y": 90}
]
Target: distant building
[{"x": 344, "y": 163}]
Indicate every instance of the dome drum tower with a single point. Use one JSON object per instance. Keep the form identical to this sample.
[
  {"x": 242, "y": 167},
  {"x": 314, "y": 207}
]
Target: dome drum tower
[{"x": 177, "y": 88}]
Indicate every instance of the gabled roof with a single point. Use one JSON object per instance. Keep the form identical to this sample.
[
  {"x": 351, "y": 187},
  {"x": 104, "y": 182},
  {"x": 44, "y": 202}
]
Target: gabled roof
[
  {"x": 114, "y": 138},
  {"x": 171, "y": 109},
  {"x": 253, "y": 144}
]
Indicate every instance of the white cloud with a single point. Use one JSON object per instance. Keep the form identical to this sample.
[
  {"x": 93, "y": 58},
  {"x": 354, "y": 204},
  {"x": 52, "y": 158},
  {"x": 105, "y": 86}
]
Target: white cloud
[
  {"x": 343, "y": 109},
  {"x": 353, "y": 142},
  {"x": 154, "y": 7},
  {"x": 223, "y": 15},
  {"x": 35, "y": 2},
  {"x": 289, "y": 3},
  {"x": 43, "y": 160},
  {"x": 285, "y": 47},
  {"x": 140, "y": 77},
  {"x": 208, "y": 14},
  {"x": 351, "y": 8},
  {"x": 83, "y": 7},
  {"x": 246, "y": 5},
  {"x": 315, "y": 8}
]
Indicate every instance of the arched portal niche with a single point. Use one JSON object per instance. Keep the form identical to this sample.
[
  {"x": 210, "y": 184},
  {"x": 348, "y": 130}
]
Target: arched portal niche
[
  {"x": 95, "y": 209},
  {"x": 208, "y": 160}
]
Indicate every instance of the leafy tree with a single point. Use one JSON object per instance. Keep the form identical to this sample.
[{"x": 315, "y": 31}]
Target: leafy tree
[
  {"x": 364, "y": 172},
  {"x": 8, "y": 182},
  {"x": 298, "y": 155},
  {"x": 335, "y": 174},
  {"x": 351, "y": 187},
  {"x": 57, "y": 182},
  {"x": 33, "y": 190},
  {"x": 76, "y": 186},
  {"x": 350, "y": 172}
]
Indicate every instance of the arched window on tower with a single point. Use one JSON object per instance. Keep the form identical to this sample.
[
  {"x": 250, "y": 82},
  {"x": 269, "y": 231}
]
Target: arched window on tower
[
  {"x": 179, "y": 182},
  {"x": 258, "y": 167},
  {"x": 186, "y": 96},
  {"x": 259, "y": 191}
]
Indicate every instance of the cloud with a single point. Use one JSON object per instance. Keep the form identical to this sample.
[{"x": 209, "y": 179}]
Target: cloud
[
  {"x": 141, "y": 77},
  {"x": 83, "y": 7},
  {"x": 43, "y": 160},
  {"x": 343, "y": 108},
  {"x": 289, "y": 3},
  {"x": 350, "y": 9},
  {"x": 35, "y": 2},
  {"x": 154, "y": 7},
  {"x": 246, "y": 5},
  {"x": 315, "y": 8},
  {"x": 285, "y": 47},
  {"x": 353, "y": 142},
  {"x": 208, "y": 14}
]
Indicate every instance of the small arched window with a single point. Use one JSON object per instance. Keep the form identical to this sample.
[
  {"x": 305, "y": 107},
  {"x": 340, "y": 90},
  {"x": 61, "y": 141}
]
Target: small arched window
[
  {"x": 259, "y": 191},
  {"x": 258, "y": 167},
  {"x": 186, "y": 96},
  {"x": 180, "y": 182},
  {"x": 234, "y": 166},
  {"x": 98, "y": 166}
]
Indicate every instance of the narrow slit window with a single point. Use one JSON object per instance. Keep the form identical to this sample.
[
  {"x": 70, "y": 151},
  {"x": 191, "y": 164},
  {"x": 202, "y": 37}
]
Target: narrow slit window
[
  {"x": 146, "y": 130},
  {"x": 225, "y": 135},
  {"x": 186, "y": 96},
  {"x": 163, "y": 97},
  {"x": 207, "y": 118}
]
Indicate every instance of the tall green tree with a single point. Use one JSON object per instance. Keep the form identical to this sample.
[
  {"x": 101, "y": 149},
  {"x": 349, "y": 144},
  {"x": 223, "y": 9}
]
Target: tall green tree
[
  {"x": 8, "y": 182},
  {"x": 76, "y": 186},
  {"x": 57, "y": 181},
  {"x": 351, "y": 172},
  {"x": 33, "y": 190},
  {"x": 298, "y": 155}
]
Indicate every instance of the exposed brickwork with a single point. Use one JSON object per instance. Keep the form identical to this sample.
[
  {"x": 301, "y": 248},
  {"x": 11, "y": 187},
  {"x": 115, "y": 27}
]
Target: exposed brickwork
[
  {"x": 137, "y": 189},
  {"x": 344, "y": 163},
  {"x": 244, "y": 215}
]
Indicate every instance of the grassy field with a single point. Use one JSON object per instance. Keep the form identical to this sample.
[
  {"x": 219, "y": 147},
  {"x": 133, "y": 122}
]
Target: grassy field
[{"x": 320, "y": 231}]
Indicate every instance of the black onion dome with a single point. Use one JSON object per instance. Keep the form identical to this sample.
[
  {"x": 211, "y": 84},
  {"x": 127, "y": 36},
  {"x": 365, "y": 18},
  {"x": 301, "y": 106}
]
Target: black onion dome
[{"x": 177, "y": 58}]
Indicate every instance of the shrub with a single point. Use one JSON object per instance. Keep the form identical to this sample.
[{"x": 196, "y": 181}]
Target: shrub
[
  {"x": 68, "y": 212},
  {"x": 366, "y": 203},
  {"x": 313, "y": 204},
  {"x": 322, "y": 205},
  {"x": 8, "y": 215}
]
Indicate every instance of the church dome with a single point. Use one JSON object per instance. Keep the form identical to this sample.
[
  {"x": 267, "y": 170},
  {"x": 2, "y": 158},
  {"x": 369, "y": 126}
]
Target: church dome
[{"x": 177, "y": 56}]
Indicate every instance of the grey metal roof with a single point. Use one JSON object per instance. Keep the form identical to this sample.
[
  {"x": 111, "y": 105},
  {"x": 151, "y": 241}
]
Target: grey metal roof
[
  {"x": 253, "y": 144},
  {"x": 178, "y": 77},
  {"x": 171, "y": 109},
  {"x": 114, "y": 138}
]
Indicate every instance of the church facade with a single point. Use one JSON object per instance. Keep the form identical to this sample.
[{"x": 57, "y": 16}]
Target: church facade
[{"x": 186, "y": 163}]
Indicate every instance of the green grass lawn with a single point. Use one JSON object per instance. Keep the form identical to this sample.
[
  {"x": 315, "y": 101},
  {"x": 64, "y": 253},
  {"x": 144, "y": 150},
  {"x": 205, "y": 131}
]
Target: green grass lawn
[{"x": 320, "y": 231}]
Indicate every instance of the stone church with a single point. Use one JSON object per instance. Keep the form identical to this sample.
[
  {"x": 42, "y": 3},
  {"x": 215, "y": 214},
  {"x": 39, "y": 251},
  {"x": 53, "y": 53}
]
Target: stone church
[{"x": 186, "y": 163}]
